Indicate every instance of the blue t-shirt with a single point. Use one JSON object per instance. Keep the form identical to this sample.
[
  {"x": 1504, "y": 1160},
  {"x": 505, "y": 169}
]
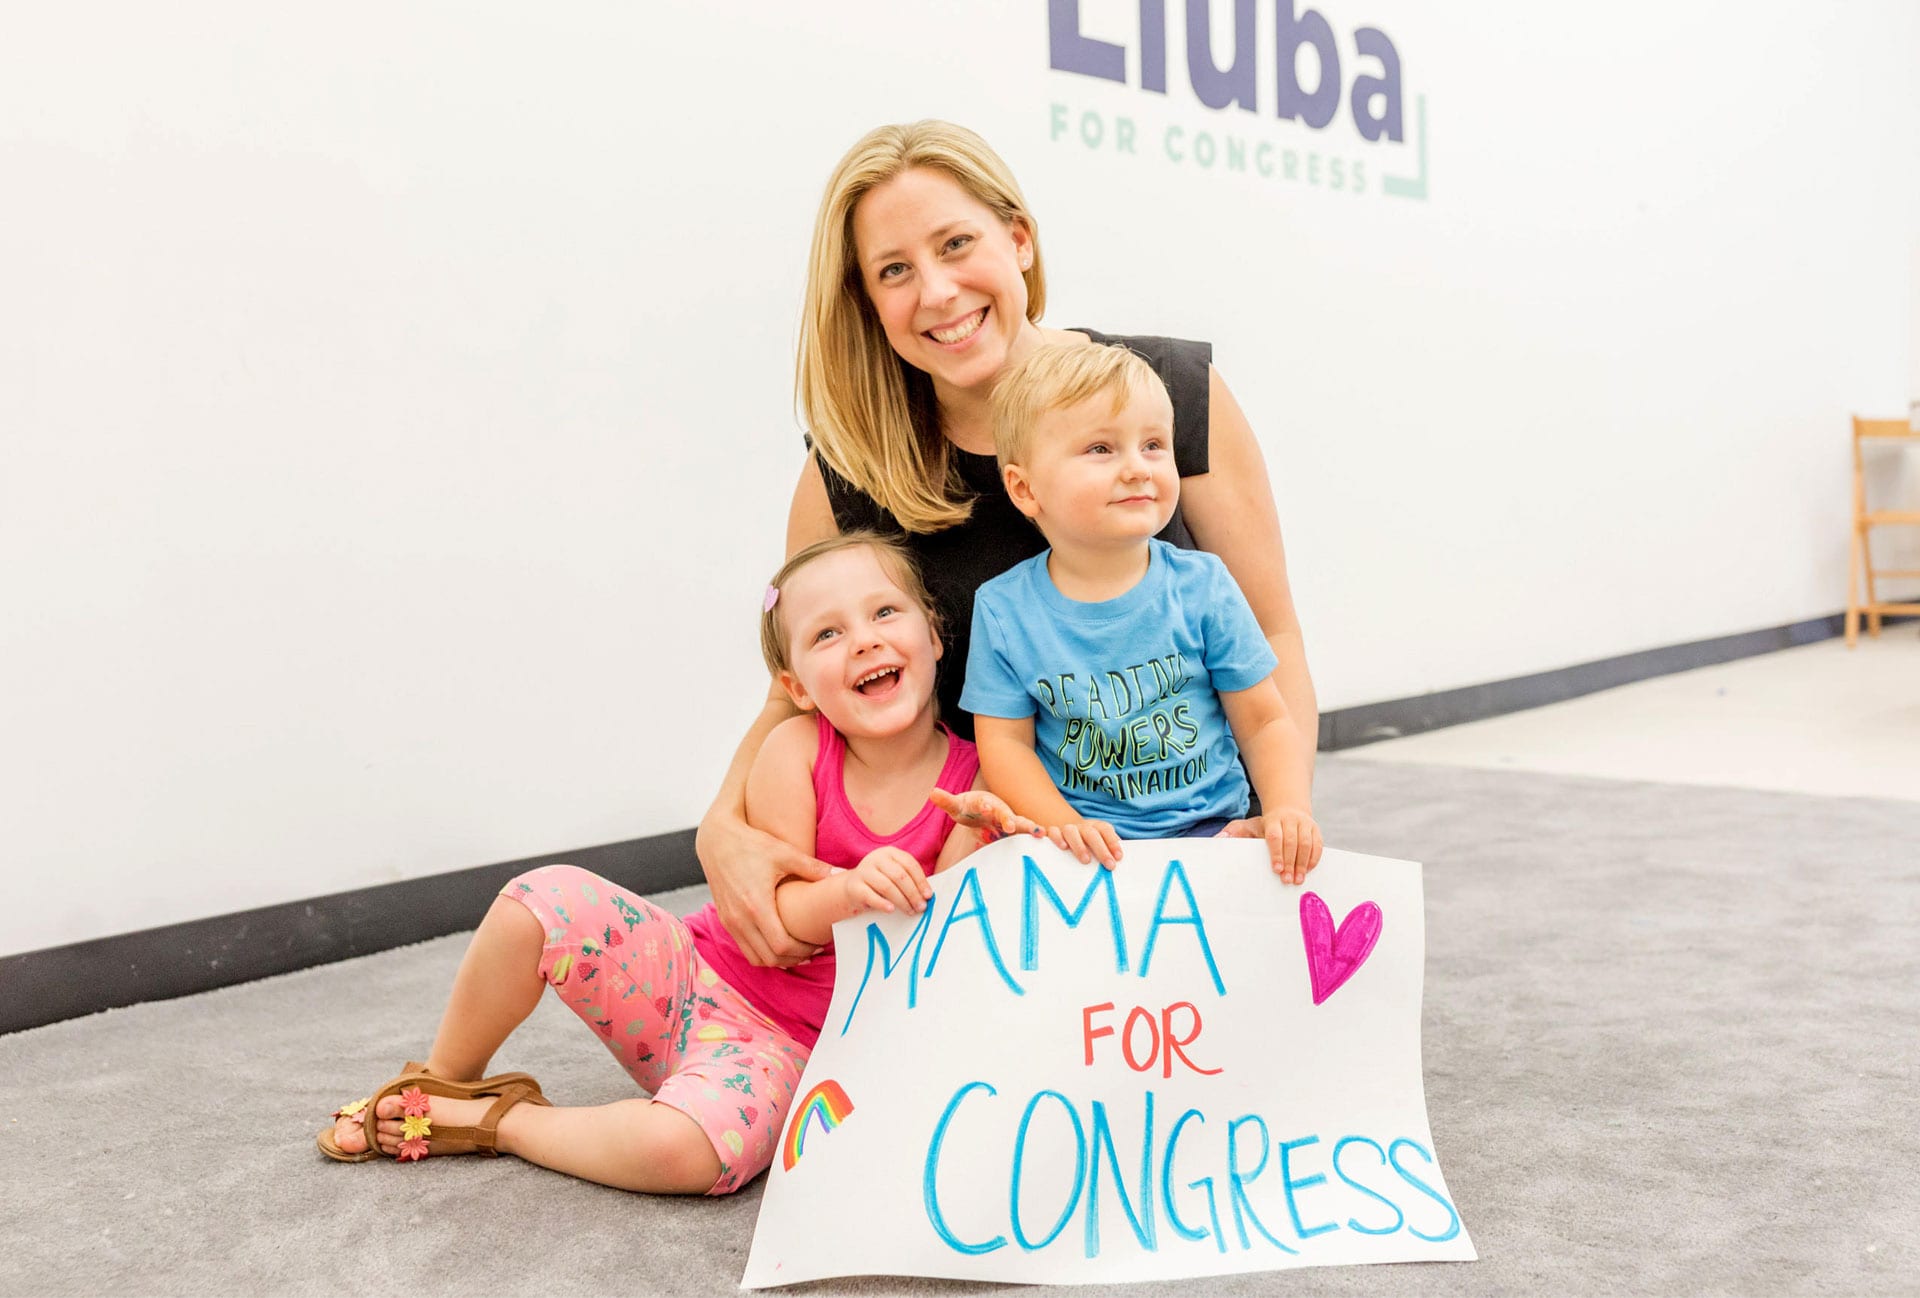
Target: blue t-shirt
[{"x": 1125, "y": 693}]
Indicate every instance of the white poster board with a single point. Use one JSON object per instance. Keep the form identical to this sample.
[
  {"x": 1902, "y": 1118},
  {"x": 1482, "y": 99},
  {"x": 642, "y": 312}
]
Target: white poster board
[{"x": 1183, "y": 1067}]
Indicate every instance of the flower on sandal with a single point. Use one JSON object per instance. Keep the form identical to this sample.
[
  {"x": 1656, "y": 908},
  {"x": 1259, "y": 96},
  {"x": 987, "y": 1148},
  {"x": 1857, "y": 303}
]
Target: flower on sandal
[
  {"x": 351, "y": 1110},
  {"x": 414, "y": 1102},
  {"x": 416, "y": 1126},
  {"x": 412, "y": 1150}
]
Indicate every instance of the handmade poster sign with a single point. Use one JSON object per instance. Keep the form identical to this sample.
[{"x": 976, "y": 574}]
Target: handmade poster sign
[{"x": 1057, "y": 1073}]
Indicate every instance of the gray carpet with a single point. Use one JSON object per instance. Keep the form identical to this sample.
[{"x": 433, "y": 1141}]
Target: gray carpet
[{"x": 1671, "y": 1040}]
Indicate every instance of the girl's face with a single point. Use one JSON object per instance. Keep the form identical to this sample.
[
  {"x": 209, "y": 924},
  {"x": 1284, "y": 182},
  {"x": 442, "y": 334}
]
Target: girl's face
[
  {"x": 860, "y": 649},
  {"x": 944, "y": 275}
]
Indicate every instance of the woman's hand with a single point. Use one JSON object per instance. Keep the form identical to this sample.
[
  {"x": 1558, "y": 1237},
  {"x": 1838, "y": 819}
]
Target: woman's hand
[
  {"x": 887, "y": 879},
  {"x": 743, "y": 867}
]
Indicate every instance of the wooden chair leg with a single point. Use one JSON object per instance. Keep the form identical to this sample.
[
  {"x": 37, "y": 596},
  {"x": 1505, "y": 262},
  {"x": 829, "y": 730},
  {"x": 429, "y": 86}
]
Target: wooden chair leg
[
  {"x": 1853, "y": 589},
  {"x": 1873, "y": 592}
]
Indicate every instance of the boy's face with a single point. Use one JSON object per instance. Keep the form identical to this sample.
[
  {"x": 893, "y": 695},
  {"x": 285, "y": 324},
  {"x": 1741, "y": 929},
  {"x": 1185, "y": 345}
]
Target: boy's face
[{"x": 1096, "y": 478}]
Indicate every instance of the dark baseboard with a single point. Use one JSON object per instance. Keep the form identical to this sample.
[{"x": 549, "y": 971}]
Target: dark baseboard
[
  {"x": 1373, "y": 722},
  {"x": 200, "y": 955},
  {"x": 182, "y": 959}
]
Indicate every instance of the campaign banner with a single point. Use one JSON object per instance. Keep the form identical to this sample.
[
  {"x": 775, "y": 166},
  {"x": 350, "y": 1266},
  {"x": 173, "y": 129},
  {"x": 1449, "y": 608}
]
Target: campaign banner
[{"x": 1061, "y": 1074}]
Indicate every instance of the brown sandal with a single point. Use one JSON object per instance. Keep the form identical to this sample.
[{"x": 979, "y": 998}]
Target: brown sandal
[{"x": 415, "y": 1085}]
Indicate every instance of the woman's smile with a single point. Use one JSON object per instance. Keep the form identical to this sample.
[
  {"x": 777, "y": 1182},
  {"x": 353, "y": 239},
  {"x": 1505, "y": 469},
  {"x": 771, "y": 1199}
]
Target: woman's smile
[{"x": 960, "y": 331}]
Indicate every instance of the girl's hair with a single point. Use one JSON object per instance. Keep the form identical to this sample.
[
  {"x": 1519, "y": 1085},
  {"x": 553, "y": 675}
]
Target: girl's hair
[
  {"x": 893, "y": 556},
  {"x": 873, "y": 417},
  {"x": 1054, "y": 375}
]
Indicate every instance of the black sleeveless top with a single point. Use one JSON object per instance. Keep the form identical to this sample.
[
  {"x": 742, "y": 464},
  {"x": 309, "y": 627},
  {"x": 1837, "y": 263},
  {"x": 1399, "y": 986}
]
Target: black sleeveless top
[{"x": 956, "y": 561}]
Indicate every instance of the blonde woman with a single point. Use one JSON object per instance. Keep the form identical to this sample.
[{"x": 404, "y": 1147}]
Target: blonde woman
[{"x": 924, "y": 284}]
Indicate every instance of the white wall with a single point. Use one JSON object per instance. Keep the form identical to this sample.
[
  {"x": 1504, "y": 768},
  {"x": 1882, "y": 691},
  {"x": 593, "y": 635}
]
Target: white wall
[{"x": 395, "y": 416}]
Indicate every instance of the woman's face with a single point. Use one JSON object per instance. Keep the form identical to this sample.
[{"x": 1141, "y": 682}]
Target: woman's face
[{"x": 944, "y": 275}]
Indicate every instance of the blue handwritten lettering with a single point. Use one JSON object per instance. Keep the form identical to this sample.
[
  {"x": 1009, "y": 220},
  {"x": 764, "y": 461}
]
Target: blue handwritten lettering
[
  {"x": 1236, "y": 1183},
  {"x": 931, "y": 1195},
  {"x": 1142, "y": 1222},
  {"x": 1160, "y": 917},
  {"x": 1453, "y": 1226},
  {"x": 1213, "y": 1212},
  {"x": 1166, "y": 1180},
  {"x": 1353, "y": 1223},
  {"x": 977, "y": 912},
  {"x": 1034, "y": 882},
  {"x": 1019, "y": 1170},
  {"x": 1291, "y": 1186},
  {"x": 909, "y": 952}
]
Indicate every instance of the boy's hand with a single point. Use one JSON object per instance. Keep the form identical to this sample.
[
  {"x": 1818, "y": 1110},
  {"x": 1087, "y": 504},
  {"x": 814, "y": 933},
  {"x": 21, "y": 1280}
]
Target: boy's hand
[
  {"x": 1293, "y": 840},
  {"x": 1089, "y": 840},
  {"x": 888, "y": 879},
  {"x": 979, "y": 810}
]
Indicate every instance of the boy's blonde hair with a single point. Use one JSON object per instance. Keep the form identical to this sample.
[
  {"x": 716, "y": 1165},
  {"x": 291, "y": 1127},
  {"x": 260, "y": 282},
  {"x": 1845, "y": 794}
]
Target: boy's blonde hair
[
  {"x": 873, "y": 418},
  {"x": 893, "y": 556},
  {"x": 1056, "y": 375}
]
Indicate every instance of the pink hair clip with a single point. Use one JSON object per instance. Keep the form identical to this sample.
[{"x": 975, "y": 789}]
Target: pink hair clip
[{"x": 773, "y": 597}]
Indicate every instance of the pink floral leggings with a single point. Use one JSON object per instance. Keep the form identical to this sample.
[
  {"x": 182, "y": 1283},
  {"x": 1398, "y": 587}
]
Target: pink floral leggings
[{"x": 631, "y": 972}]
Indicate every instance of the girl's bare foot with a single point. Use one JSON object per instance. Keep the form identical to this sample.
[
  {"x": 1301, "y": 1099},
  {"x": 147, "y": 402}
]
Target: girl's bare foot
[{"x": 391, "y": 1133}]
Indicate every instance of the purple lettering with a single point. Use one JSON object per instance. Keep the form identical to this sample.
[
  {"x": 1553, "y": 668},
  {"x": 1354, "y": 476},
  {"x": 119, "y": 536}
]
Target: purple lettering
[
  {"x": 1069, "y": 51},
  {"x": 1317, "y": 108}
]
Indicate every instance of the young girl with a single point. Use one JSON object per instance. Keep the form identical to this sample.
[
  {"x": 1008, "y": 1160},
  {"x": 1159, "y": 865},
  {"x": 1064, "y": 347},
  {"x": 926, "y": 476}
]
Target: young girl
[{"x": 847, "y": 630}]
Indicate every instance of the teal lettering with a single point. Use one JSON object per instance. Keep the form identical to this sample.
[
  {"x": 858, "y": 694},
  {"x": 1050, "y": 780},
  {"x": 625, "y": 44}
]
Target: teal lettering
[
  {"x": 930, "y": 1197},
  {"x": 909, "y": 953},
  {"x": 977, "y": 912},
  {"x": 1176, "y": 871},
  {"x": 1034, "y": 882}
]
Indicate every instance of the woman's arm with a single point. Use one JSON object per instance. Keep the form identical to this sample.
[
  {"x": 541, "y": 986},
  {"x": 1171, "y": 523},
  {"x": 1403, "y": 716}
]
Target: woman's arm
[
  {"x": 1230, "y": 511},
  {"x": 743, "y": 864}
]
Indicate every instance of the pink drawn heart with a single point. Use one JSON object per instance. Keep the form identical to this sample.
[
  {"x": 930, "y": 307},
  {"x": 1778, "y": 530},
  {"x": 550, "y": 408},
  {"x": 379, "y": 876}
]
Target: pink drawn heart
[{"x": 1335, "y": 954}]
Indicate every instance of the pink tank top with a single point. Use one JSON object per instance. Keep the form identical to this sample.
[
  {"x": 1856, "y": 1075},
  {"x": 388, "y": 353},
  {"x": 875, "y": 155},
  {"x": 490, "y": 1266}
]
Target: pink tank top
[{"x": 796, "y": 999}]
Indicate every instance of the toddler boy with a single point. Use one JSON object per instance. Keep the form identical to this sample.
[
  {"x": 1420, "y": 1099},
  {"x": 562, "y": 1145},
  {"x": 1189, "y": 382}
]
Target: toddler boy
[{"x": 1121, "y": 687}]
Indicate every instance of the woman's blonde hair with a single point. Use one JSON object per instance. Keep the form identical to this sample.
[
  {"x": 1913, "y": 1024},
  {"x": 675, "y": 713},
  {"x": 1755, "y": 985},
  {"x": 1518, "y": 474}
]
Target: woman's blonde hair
[
  {"x": 894, "y": 557},
  {"x": 873, "y": 417}
]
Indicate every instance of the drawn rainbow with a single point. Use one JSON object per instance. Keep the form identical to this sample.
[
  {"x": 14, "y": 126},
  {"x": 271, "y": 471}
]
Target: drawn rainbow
[{"x": 829, "y": 1103}]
